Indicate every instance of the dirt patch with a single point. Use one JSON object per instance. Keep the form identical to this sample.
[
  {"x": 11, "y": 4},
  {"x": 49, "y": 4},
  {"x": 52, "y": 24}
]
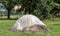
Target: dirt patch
[{"x": 35, "y": 28}]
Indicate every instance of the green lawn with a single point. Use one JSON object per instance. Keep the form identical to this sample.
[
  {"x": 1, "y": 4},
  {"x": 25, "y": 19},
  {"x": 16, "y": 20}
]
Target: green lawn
[{"x": 53, "y": 25}]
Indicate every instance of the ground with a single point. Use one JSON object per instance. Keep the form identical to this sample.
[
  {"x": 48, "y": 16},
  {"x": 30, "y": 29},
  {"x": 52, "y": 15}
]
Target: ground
[{"x": 52, "y": 24}]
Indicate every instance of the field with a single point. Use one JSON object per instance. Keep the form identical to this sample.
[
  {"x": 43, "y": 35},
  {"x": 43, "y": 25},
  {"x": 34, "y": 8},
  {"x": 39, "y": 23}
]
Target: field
[{"x": 52, "y": 24}]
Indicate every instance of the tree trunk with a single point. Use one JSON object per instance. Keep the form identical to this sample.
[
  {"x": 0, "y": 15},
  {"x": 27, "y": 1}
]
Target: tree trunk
[{"x": 8, "y": 14}]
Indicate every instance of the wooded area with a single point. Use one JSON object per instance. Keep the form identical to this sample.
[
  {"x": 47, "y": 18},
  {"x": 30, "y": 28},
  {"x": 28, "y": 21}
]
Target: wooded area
[{"x": 40, "y": 8}]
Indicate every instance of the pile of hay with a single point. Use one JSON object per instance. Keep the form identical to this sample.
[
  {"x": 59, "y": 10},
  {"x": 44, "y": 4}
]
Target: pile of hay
[{"x": 29, "y": 23}]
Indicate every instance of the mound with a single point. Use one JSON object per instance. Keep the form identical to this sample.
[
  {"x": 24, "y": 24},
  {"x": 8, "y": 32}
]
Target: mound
[{"x": 28, "y": 23}]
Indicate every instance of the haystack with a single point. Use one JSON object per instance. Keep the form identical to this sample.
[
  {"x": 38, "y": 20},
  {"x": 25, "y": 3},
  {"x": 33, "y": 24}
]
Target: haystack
[{"x": 29, "y": 23}]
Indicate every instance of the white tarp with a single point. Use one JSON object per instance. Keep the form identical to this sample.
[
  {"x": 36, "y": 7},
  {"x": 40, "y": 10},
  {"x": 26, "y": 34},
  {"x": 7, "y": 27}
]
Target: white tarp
[{"x": 26, "y": 21}]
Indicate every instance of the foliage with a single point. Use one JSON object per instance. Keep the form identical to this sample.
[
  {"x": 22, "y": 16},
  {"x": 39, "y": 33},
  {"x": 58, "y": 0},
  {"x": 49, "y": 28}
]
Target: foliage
[
  {"x": 57, "y": 1},
  {"x": 9, "y": 4},
  {"x": 40, "y": 8}
]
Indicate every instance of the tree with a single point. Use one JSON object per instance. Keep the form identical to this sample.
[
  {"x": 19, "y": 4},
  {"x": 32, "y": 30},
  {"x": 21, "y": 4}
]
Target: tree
[
  {"x": 56, "y": 9},
  {"x": 40, "y": 8},
  {"x": 57, "y": 1},
  {"x": 29, "y": 6},
  {"x": 9, "y": 4}
]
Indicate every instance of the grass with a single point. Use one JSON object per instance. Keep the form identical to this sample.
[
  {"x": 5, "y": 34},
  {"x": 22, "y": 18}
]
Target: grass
[
  {"x": 11, "y": 16},
  {"x": 53, "y": 25}
]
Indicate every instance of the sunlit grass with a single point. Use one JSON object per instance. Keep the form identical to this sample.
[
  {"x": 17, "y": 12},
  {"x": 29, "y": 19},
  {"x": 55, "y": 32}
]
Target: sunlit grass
[{"x": 53, "y": 25}]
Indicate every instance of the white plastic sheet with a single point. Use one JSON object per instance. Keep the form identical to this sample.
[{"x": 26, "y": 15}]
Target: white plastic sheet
[{"x": 27, "y": 21}]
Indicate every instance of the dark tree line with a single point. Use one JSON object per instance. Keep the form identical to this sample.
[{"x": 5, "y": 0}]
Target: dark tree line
[{"x": 40, "y": 8}]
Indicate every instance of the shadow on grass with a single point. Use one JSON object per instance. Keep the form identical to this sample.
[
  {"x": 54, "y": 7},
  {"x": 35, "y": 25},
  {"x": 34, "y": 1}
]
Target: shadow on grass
[{"x": 8, "y": 19}]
